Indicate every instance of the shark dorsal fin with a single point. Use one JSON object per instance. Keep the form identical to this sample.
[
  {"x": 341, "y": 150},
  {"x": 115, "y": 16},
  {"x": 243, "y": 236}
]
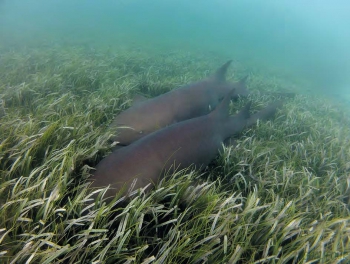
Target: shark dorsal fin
[
  {"x": 244, "y": 113},
  {"x": 220, "y": 74},
  {"x": 138, "y": 98},
  {"x": 223, "y": 108}
]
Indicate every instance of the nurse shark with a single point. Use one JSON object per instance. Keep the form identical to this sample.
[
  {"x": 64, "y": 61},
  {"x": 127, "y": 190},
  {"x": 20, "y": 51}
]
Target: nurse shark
[
  {"x": 189, "y": 101},
  {"x": 194, "y": 141}
]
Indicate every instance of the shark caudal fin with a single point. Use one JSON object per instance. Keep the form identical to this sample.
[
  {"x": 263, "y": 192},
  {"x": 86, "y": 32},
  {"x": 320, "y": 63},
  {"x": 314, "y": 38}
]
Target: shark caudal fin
[
  {"x": 220, "y": 74},
  {"x": 266, "y": 113}
]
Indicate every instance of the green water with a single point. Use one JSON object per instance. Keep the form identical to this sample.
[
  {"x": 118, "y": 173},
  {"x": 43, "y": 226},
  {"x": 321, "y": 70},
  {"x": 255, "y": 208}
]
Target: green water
[
  {"x": 279, "y": 195},
  {"x": 299, "y": 40}
]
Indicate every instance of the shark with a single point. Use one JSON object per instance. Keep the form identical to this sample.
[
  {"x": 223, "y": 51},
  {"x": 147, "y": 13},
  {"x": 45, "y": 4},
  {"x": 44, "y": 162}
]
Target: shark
[
  {"x": 192, "y": 100},
  {"x": 193, "y": 142}
]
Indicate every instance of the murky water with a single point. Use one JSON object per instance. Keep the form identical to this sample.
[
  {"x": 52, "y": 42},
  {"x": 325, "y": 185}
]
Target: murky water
[{"x": 298, "y": 39}]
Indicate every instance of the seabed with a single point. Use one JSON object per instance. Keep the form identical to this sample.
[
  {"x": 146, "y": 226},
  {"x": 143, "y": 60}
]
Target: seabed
[{"x": 281, "y": 195}]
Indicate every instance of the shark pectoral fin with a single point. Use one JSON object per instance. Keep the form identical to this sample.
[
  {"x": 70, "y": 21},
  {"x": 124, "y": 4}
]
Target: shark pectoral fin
[{"x": 138, "y": 98}]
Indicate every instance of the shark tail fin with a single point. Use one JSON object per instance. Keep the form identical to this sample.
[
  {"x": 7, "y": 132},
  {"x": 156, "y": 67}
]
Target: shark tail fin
[
  {"x": 265, "y": 114},
  {"x": 220, "y": 74}
]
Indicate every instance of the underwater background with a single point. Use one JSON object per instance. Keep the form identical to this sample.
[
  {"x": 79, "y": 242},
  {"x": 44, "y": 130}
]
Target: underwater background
[
  {"x": 307, "y": 40},
  {"x": 279, "y": 195}
]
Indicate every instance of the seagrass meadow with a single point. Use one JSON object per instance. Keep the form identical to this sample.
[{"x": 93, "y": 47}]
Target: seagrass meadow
[{"x": 281, "y": 194}]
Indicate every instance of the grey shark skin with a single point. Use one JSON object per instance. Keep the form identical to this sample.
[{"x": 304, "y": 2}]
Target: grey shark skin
[
  {"x": 191, "y": 142},
  {"x": 186, "y": 102}
]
